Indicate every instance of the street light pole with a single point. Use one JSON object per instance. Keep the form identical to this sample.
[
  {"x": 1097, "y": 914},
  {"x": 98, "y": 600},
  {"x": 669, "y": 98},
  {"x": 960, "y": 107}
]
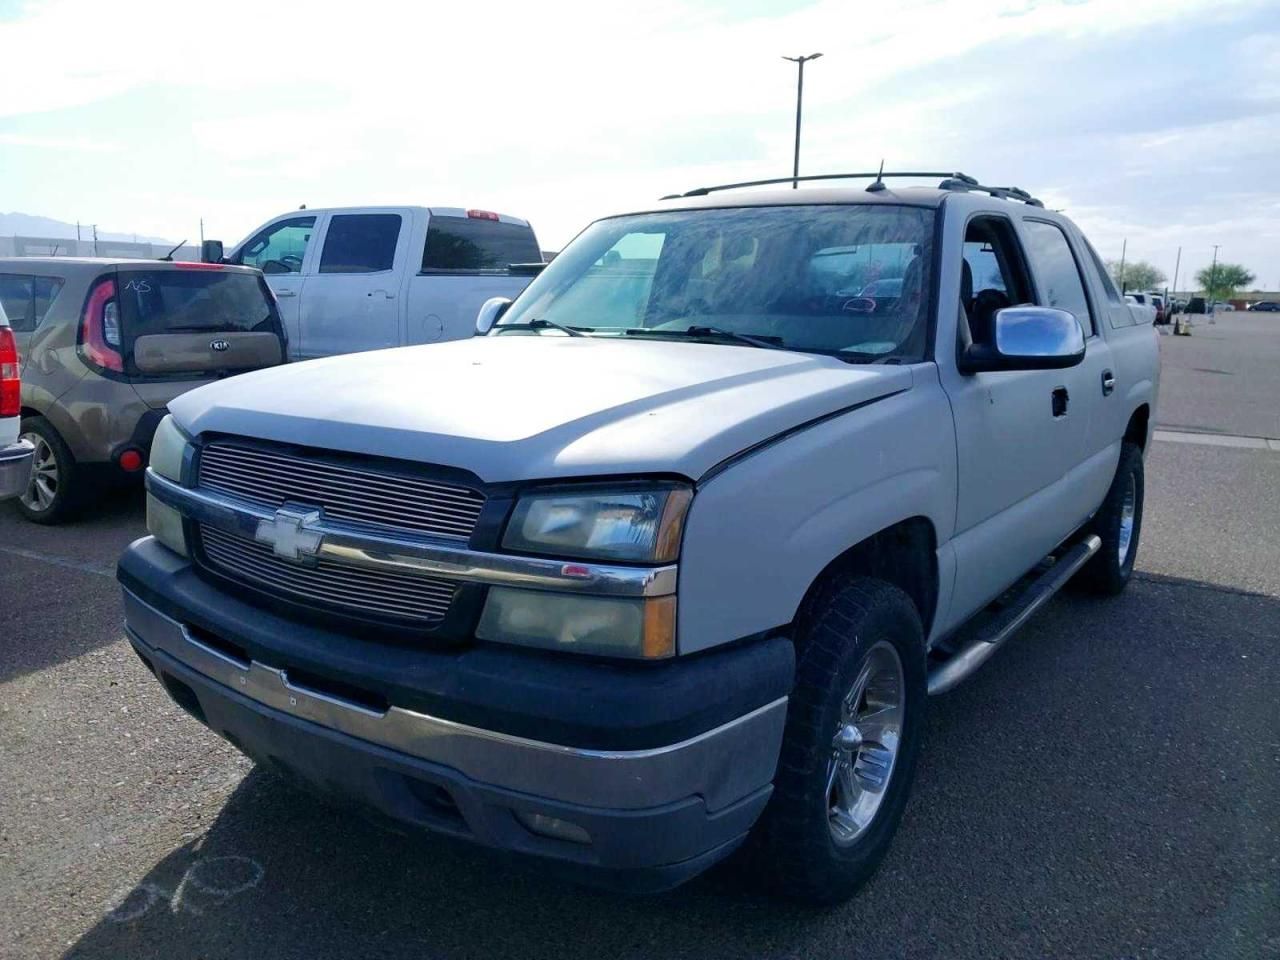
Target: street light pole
[
  {"x": 1213, "y": 279},
  {"x": 799, "y": 62}
]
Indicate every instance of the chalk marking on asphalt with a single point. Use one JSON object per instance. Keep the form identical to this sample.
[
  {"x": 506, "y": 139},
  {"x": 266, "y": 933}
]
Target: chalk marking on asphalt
[
  {"x": 60, "y": 561},
  {"x": 244, "y": 873},
  {"x": 1219, "y": 440}
]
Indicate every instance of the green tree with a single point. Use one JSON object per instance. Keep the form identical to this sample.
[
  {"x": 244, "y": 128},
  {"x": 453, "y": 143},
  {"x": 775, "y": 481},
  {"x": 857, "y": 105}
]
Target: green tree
[
  {"x": 1137, "y": 275},
  {"x": 1222, "y": 282}
]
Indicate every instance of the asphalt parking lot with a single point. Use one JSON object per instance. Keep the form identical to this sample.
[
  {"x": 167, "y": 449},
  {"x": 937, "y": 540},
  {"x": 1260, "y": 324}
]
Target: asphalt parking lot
[{"x": 1108, "y": 787}]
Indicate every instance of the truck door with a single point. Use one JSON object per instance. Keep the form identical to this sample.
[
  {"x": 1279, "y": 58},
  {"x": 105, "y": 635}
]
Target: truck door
[
  {"x": 280, "y": 250},
  {"x": 351, "y": 302},
  {"x": 1019, "y": 434},
  {"x": 1061, "y": 281}
]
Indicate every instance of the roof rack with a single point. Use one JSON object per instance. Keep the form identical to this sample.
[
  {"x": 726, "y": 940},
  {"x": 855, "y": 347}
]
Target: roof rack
[{"x": 951, "y": 180}]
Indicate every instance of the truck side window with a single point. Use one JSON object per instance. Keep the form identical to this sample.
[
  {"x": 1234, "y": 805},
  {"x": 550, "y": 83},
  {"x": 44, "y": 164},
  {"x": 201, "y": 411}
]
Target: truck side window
[
  {"x": 280, "y": 248},
  {"x": 993, "y": 276},
  {"x": 360, "y": 243},
  {"x": 474, "y": 244},
  {"x": 1119, "y": 318},
  {"x": 1061, "y": 282}
]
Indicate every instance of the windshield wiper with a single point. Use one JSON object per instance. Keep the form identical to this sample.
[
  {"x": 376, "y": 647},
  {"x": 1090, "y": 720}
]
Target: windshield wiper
[
  {"x": 540, "y": 324},
  {"x": 765, "y": 343}
]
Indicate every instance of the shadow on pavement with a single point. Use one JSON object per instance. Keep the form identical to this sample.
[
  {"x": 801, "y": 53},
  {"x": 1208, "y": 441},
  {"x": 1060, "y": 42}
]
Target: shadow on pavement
[
  {"x": 56, "y": 582},
  {"x": 1107, "y": 786},
  {"x": 283, "y": 874}
]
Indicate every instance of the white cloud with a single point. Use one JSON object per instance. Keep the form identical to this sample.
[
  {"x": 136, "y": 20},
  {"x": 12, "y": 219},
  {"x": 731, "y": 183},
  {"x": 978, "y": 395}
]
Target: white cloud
[
  {"x": 561, "y": 111},
  {"x": 80, "y": 144}
]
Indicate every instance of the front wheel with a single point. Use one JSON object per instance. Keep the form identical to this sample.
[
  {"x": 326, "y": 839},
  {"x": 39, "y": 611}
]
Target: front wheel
[
  {"x": 854, "y": 725},
  {"x": 1118, "y": 523}
]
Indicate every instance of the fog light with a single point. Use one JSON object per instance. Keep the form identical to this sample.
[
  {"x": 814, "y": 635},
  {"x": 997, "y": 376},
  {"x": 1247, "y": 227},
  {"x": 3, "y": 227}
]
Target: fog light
[
  {"x": 553, "y": 827},
  {"x": 165, "y": 524},
  {"x": 131, "y": 461}
]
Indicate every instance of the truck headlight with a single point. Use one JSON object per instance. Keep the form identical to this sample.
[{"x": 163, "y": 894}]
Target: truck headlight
[
  {"x": 631, "y": 524},
  {"x": 576, "y": 623},
  {"x": 627, "y": 523},
  {"x": 168, "y": 447}
]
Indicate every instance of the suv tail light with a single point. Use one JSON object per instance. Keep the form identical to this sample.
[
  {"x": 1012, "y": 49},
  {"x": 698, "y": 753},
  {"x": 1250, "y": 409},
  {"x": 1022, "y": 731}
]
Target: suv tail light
[
  {"x": 100, "y": 327},
  {"x": 10, "y": 383}
]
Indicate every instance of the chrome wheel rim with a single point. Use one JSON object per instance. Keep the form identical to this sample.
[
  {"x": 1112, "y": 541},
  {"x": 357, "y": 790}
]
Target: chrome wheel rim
[
  {"x": 1128, "y": 510},
  {"x": 864, "y": 748},
  {"x": 42, "y": 488}
]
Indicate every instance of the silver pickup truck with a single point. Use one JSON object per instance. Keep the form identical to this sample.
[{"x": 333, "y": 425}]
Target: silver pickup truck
[{"x": 670, "y": 557}]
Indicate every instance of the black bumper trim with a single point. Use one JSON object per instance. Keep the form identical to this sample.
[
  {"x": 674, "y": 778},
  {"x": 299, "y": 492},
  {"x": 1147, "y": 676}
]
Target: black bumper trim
[{"x": 640, "y": 850}]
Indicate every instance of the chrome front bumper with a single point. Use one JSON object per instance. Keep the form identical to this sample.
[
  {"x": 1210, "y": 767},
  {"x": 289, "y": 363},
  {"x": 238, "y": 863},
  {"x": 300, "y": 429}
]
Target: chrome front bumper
[
  {"x": 15, "y": 468},
  {"x": 721, "y": 766}
]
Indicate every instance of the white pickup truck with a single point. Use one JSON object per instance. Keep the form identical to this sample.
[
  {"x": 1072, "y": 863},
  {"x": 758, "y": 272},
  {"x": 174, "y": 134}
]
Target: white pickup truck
[
  {"x": 363, "y": 278},
  {"x": 670, "y": 558}
]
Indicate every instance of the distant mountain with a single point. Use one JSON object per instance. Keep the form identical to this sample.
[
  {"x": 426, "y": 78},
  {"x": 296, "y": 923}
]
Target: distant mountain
[{"x": 25, "y": 225}]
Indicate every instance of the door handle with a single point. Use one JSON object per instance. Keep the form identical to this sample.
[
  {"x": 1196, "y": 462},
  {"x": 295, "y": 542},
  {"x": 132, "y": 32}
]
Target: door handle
[
  {"x": 385, "y": 294},
  {"x": 1060, "y": 401},
  {"x": 1108, "y": 383},
  {"x": 286, "y": 293}
]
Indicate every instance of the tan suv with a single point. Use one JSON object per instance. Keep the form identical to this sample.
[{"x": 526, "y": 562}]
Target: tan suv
[{"x": 104, "y": 345}]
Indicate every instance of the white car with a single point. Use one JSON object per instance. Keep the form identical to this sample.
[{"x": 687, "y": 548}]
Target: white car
[
  {"x": 363, "y": 278},
  {"x": 1143, "y": 311},
  {"x": 15, "y": 454}
]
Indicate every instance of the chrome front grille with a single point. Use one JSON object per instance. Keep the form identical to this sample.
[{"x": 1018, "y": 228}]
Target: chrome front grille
[
  {"x": 392, "y": 501},
  {"x": 422, "y": 599},
  {"x": 395, "y": 503}
]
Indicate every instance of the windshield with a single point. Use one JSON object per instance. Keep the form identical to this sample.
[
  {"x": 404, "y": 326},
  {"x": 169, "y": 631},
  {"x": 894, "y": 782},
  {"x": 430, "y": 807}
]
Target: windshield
[{"x": 850, "y": 281}]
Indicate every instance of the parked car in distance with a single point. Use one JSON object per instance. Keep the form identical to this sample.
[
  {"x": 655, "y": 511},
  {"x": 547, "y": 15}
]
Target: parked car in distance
[
  {"x": 15, "y": 454},
  {"x": 105, "y": 345},
  {"x": 1265, "y": 306},
  {"x": 689, "y": 569},
  {"x": 364, "y": 278},
  {"x": 1162, "y": 313},
  {"x": 1221, "y": 306},
  {"x": 1140, "y": 308},
  {"x": 1153, "y": 300}
]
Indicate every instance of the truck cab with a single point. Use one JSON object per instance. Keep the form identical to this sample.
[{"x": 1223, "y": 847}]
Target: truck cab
[{"x": 363, "y": 278}]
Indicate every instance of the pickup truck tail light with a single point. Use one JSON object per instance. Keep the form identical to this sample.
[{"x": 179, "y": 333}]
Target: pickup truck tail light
[
  {"x": 100, "y": 327},
  {"x": 482, "y": 215},
  {"x": 10, "y": 383}
]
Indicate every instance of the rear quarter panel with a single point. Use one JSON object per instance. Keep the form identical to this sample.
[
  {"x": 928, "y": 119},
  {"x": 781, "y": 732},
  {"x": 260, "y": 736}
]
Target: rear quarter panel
[
  {"x": 443, "y": 306},
  {"x": 760, "y": 532},
  {"x": 1135, "y": 352}
]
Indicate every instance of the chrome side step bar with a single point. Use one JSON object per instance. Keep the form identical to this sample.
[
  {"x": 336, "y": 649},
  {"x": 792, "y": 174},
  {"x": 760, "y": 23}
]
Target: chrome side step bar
[{"x": 950, "y": 672}]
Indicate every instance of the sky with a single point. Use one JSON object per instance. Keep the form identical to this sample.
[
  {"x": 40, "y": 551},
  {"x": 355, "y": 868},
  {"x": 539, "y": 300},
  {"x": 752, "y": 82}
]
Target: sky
[{"x": 1155, "y": 122}]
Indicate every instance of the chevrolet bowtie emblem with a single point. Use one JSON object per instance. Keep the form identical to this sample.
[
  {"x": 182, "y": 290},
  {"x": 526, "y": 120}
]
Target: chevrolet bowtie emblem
[{"x": 287, "y": 535}]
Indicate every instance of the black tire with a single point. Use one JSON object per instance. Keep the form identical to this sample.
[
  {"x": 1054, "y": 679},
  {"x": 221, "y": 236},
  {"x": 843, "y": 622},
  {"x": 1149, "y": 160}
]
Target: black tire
[
  {"x": 67, "y": 497},
  {"x": 1108, "y": 572},
  {"x": 795, "y": 847}
]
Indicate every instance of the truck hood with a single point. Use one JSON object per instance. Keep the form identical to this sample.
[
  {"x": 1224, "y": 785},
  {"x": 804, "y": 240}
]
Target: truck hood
[{"x": 514, "y": 408}]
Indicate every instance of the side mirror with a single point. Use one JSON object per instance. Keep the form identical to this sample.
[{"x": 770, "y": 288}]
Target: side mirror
[
  {"x": 492, "y": 309},
  {"x": 211, "y": 251},
  {"x": 1028, "y": 338}
]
